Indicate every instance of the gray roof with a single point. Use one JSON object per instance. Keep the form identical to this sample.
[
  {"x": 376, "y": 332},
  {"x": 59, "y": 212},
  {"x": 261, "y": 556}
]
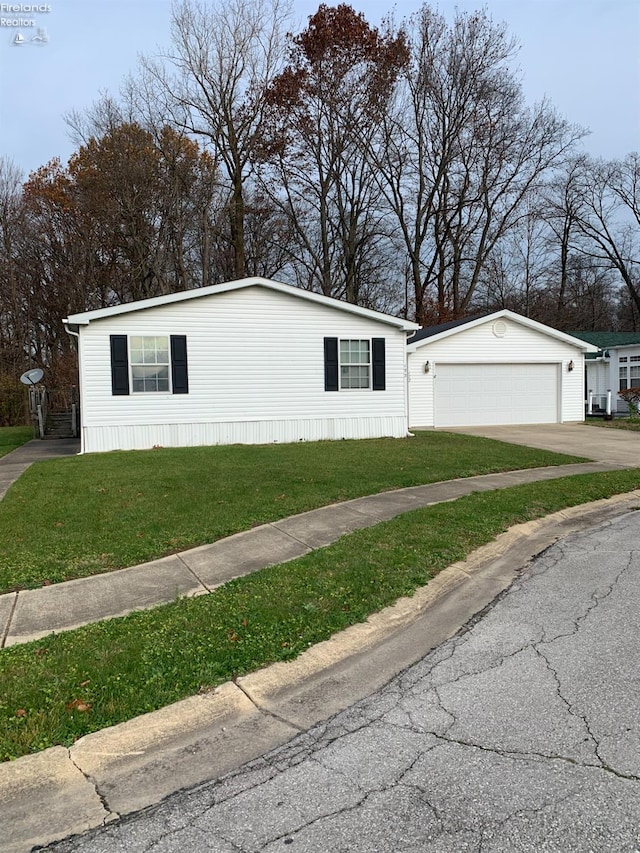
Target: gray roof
[{"x": 429, "y": 331}]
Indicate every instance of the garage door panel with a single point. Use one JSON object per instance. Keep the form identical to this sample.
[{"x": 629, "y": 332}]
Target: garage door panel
[{"x": 492, "y": 394}]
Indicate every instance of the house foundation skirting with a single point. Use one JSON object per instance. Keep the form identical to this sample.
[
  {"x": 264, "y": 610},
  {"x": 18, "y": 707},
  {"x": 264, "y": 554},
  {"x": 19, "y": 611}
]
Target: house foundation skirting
[{"x": 96, "y": 439}]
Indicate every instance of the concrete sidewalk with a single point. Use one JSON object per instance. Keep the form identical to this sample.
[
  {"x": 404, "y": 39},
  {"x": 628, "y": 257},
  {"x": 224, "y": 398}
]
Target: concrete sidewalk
[{"x": 31, "y": 614}]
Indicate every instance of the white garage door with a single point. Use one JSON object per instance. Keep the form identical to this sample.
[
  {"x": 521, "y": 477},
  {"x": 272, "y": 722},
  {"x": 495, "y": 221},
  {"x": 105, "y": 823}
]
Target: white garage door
[{"x": 484, "y": 394}]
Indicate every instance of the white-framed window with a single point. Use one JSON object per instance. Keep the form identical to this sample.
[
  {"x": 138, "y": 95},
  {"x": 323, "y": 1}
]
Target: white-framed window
[
  {"x": 149, "y": 360},
  {"x": 622, "y": 377},
  {"x": 355, "y": 363}
]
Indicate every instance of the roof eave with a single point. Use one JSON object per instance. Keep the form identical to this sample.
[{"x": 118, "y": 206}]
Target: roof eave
[{"x": 85, "y": 318}]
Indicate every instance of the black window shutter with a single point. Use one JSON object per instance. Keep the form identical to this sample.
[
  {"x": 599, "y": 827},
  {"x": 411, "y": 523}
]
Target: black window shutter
[
  {"x": 379, "y": 369},
  {"x": 119, "y": 365},
  {"x": 330, "y": 364},
  {"x": 179, "y": 374}
]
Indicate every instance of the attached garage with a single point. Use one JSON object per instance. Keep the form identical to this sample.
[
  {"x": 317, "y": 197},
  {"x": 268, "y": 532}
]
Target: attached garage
[{"x": 492, "y": 370}]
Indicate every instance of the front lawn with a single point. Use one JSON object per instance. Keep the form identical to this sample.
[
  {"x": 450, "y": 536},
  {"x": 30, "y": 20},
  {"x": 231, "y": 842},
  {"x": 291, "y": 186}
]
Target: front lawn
[
  {"x": 64, "y": 686},
  {"x": 78, "y": 516},
  {"x": 12, "y": 437}
]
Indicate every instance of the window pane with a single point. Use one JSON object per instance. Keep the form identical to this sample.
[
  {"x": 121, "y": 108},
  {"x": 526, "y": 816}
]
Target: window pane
[
  {"x": 354, "y": 352},
  {"x": 353, "y": 376},
  {"x": 147, "y": 371},
  {"x": 623, "y": 378},
  {"x": 346, "y": 352}
]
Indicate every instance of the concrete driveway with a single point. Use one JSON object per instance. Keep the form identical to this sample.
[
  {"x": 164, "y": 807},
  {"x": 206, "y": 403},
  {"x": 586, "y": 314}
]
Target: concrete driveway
[
  {"x": 617, "y": 446},
  {"x": 520, "y": 733}
]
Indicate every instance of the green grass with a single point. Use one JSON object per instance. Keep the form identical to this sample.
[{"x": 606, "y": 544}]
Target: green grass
[
  {"x": 78, "y": 516},
  {"x": 617, "y": 423},
  {"x": 12, "y": 437},
  {"x": 64, "y": 686}
]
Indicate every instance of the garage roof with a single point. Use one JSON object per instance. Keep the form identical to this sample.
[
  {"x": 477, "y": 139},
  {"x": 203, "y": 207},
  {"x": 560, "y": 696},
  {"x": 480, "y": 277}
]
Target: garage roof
[{"x": 433, "y": 333}]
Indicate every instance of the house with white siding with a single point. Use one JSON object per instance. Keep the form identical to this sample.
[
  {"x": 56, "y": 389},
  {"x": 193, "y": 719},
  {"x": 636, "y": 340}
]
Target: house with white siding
[
  {"x": 250, "y": 362},
  {"x": 614, "y": 367},
  {"x": 498, "y": 369}
]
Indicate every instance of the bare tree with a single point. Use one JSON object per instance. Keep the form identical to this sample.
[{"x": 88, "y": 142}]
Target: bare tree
[
  {"x": 561, "y": 203},
  {"x": 463, "y": 154},
  {"x": 224, "y": 57},
  {"x": 339, "y": 77},
  {"x": 609, "y": 217},
  {"x": 518, "y": 267}
]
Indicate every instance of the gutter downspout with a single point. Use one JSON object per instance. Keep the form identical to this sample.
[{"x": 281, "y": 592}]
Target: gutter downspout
[
  {"x": 76, "y": 335},
  {"x": 406, "y": 383}
]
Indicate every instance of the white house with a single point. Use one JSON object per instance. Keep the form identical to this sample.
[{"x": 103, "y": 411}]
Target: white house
[
  {"x": 250, "y": 361},
  {"x": 614, "y": 367},
  {"x": 497, "y": 369}
]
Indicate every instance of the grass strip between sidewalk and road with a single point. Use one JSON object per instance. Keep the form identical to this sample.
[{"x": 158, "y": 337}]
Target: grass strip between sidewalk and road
[
  {"x": 64, "y": 686},
  {"x": 13, "y": 437},
  {"x": 78, "y": 516}
]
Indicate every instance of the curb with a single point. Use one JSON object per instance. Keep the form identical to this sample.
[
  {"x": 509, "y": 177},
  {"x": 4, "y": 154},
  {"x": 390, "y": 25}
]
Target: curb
[{"x": 62, "y": 791}]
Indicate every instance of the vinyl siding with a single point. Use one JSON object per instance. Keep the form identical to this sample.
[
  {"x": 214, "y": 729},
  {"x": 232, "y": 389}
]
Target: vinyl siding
[
  {"x": 603, "y": 376},
  {"x": 256, "y": 375},
  {"x": 599, "y": 378},
  {"x": 519, "y": 345}
]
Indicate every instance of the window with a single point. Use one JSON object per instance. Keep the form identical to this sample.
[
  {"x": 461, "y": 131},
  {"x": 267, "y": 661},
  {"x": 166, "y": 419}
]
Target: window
[
  {"x": 149, "y": 357},
  {"x": 149, "y": 364},
  {"x": 355, "y": 362},
  {"x": 623, "y": 377},
  {"x": 629, "y": 372}
]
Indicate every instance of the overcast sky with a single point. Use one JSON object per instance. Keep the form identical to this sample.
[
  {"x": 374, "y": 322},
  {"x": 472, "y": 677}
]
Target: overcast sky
[{"x": 583, "y": 54}]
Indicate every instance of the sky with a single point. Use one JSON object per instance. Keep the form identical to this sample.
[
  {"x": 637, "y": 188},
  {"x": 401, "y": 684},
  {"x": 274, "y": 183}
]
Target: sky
[{"x": 584, "y": 55}]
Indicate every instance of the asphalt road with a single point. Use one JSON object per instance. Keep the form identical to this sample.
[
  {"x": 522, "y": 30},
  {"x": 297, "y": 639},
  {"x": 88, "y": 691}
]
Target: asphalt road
[{"x": 521, "y": 733}]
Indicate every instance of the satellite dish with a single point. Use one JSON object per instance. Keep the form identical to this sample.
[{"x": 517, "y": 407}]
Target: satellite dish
[{"x": 32, "y": 377}]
